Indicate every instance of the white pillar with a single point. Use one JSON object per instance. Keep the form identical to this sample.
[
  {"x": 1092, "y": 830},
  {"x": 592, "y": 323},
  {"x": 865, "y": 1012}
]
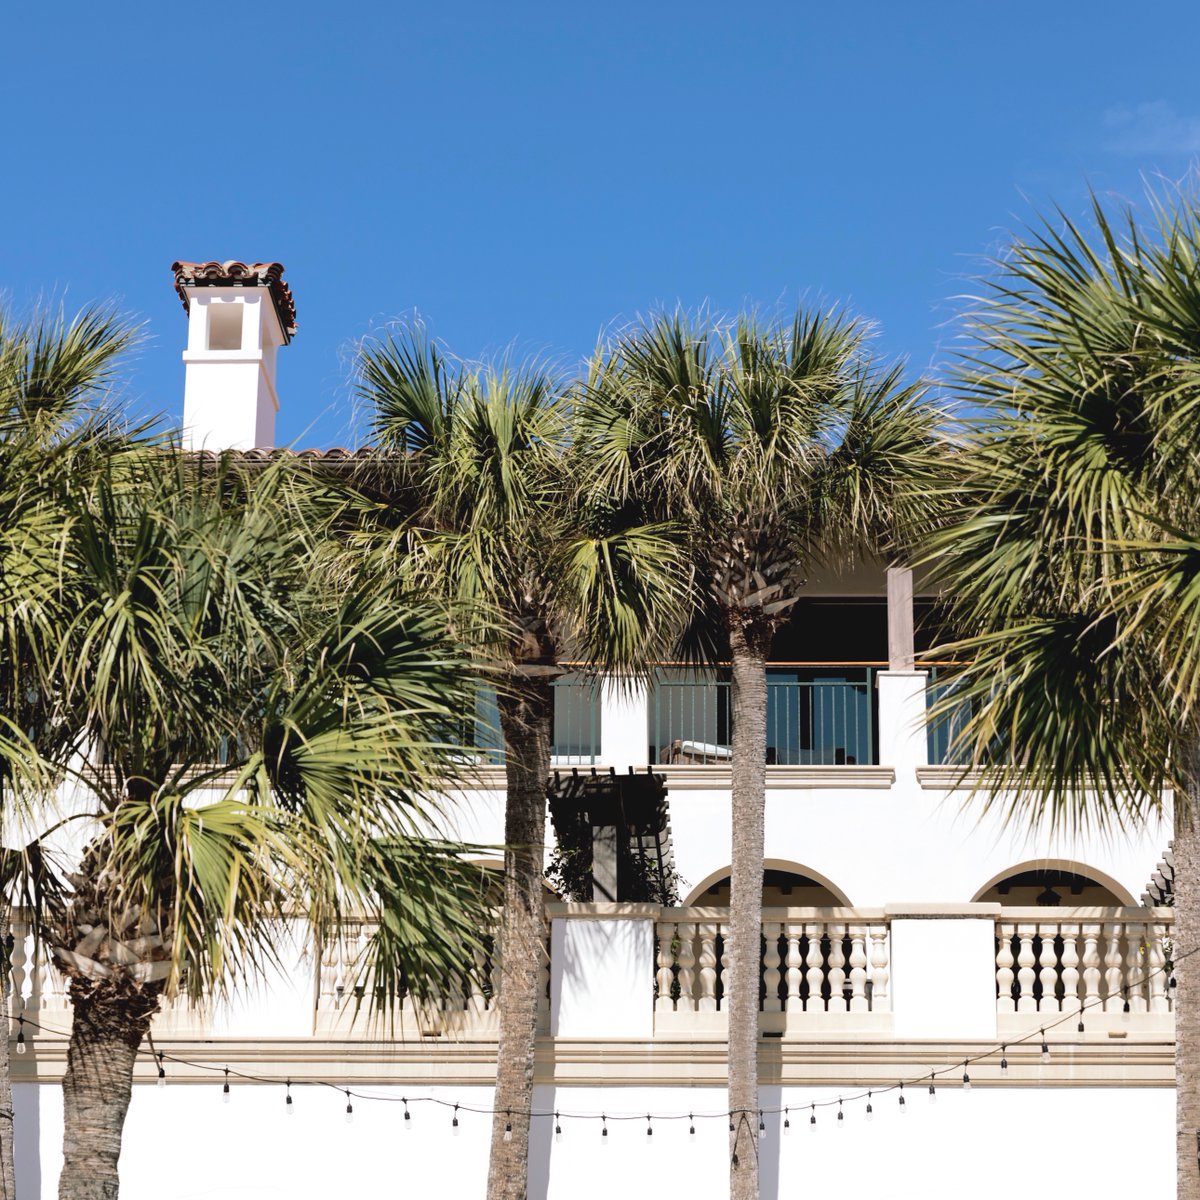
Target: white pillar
[
  {"x": 624, "y": 723},
  {"x": 902, "y": 736},
  {"x": 944, "y": 971},
  {"x": 602, "y": 974}
]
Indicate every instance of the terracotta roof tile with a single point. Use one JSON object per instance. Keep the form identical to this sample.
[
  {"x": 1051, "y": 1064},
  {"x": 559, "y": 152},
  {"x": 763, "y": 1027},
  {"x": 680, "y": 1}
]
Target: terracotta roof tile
[{"x": 234, "y": 274}]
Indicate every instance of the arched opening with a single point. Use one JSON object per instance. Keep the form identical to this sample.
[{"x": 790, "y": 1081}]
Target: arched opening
[
  {"x": 1052, "y": 883},
  {"x": 785, "y": 885}
]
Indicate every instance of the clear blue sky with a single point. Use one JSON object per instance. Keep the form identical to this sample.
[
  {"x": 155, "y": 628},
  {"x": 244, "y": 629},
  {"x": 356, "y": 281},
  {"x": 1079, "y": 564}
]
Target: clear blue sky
[{"x": 529, "y": 172}]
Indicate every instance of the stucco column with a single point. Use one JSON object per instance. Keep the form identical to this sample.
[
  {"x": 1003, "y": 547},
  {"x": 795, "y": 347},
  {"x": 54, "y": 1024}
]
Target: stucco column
[
  {"x": 944, "y": 971},
  {"x": 902, "y": 737},
  {"x": 602, "y": 970},
  {"x": 624, "y": 723}
]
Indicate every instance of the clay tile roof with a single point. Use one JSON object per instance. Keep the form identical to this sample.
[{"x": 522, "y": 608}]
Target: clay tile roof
[{"x": 234, "y": 274}]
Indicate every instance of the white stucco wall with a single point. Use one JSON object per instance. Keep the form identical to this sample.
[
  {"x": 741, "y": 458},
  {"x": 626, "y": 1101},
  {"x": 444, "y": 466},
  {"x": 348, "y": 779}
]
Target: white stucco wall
[{"x": 183, "y": 1143}]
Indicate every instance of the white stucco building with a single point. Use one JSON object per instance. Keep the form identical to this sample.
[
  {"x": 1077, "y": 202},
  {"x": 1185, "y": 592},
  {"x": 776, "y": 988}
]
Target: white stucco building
[{"x": 903, "y": 935}]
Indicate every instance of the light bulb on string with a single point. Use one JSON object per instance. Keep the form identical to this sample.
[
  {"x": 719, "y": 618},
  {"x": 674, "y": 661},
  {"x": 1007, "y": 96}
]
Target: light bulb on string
[
  {"x": 1125, "y": 993},
  {"x": 407, "y": 1115},
  {"x": 508, "y": 1126},
  {"x": 787, "y": 1123},
  {"x": 287, "y": 1100},
  {"x": 932, "y": 1091},
  {"x": 841, "y": 1115},
  {"x": 691, "y": 1126},
  {"x": 1079, "y": 1027},
  {"x": 603, "y": 1130},
  {"x": 812, "y": 1121},
  {"x": 1004, "y": 1061},
  {"x": 649, "y": 1127},
  {"x": 557, "y": 1128},
  {"x": 20, "y": 1035},
  {"x": 966, "y": 1077},
  {"x": 349, "y": 1110},
  {"x": 1045, "y": 1048},
  {"x": 225, "y": 1087},
  {"x": 162, "y": 1073},
  {"x": 903, "y": 1103},
  {"x": 454, "y": 1122},
  {"x": 870, "y": 1110},
  {"x": 762, "y": 1126}
]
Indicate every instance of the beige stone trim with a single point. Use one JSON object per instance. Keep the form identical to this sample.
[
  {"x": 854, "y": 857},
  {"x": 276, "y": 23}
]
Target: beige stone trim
[{"x": 865, "y": 1062}]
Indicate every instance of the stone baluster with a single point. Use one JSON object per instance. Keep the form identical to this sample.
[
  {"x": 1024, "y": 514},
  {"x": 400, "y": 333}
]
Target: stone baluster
[
  {"x": 708, "y": 968},
  {"x": 665, "y": 977},
  {"x": 1114, "y": 998},
  {"x": 815, "y": 974},
  {"x": 1004, "y": 967},
  {"x": 687, "y": 965},
  {"x": 1025, "y": 973},
  {"x": 837, "y": 969},
  {"x": 477, "y": 1001},
  {"x": 880, "y": 1001},
  {"x": 18, "y": 962},
  {"x": 794, "y": 964},
  {"x": 1156, "y": 961},
  {"x": 723, "y": 966},
  {"x": 1091, "y": 966},
  {"x": 544, "y": 987},
  {"x": 1048, "y": 967},
  {"x": 771, "y": 976},
  {"x": 327, "y": 973},
  {"x": 41, "y": 984},
  {"x": 1135, "y": 966},
  {"x": 1070, "y": 967},
  {"x": 858, "y": 969}
]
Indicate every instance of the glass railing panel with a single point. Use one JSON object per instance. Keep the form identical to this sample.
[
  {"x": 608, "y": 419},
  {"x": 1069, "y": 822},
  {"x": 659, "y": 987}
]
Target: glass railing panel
[
  {"x": 816, "y": 715},
  {"x": 576, "y": 721},
  {"x": 943, "y": 732}
]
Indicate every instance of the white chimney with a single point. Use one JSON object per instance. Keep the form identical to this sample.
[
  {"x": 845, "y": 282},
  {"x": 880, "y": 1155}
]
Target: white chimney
[{"x": 239, "y": 314}]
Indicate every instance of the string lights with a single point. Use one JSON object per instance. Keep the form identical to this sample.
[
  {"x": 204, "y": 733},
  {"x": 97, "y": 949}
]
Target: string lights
[{"x": 228, "y": 1074}]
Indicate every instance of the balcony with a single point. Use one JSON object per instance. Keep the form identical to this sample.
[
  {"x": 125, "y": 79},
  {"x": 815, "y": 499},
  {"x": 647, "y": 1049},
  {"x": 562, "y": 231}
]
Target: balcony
[
  {"x": 818, "y": 714},
  {"x": 577, "y": 725},
  {"x": 648, "y": 983}
]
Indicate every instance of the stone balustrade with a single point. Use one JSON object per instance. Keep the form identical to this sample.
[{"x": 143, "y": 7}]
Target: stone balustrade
[
  {"x": 824, "y": 972},
  {"x": 1110, "y": 964},
  {"x": 820, "y": 968}
]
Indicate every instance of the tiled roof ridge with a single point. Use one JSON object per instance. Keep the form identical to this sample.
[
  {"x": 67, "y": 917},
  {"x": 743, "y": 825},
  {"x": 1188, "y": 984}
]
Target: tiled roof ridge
[
  {"x": 232, "y": 273},
  {"x": 264, "y": 453}
]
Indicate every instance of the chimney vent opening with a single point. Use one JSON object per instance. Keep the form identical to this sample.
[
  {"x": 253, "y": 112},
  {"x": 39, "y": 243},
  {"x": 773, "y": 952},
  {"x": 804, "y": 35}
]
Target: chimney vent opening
[{"x": 225, "y": 326}]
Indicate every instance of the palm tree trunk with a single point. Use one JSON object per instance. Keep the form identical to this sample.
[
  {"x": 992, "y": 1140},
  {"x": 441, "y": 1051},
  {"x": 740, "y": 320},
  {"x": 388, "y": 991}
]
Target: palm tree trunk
[
  {"x": 8, "y": 1171},
  {"x": 1187, "y": 977},
  {"x": 749, "y": 644},
  {"x": 525, "y": 720},
  {"x": 107, "y": 1027}
]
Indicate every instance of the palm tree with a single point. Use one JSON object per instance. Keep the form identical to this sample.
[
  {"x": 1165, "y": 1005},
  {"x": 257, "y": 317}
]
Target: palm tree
[
  {"x": 483, "y": 501},
  {"x": 54, "y": 373},
  {"x": 771, "y": 446},
  {"x": 258, "y": 726},
  {"x": 1074, "y": 564}
]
